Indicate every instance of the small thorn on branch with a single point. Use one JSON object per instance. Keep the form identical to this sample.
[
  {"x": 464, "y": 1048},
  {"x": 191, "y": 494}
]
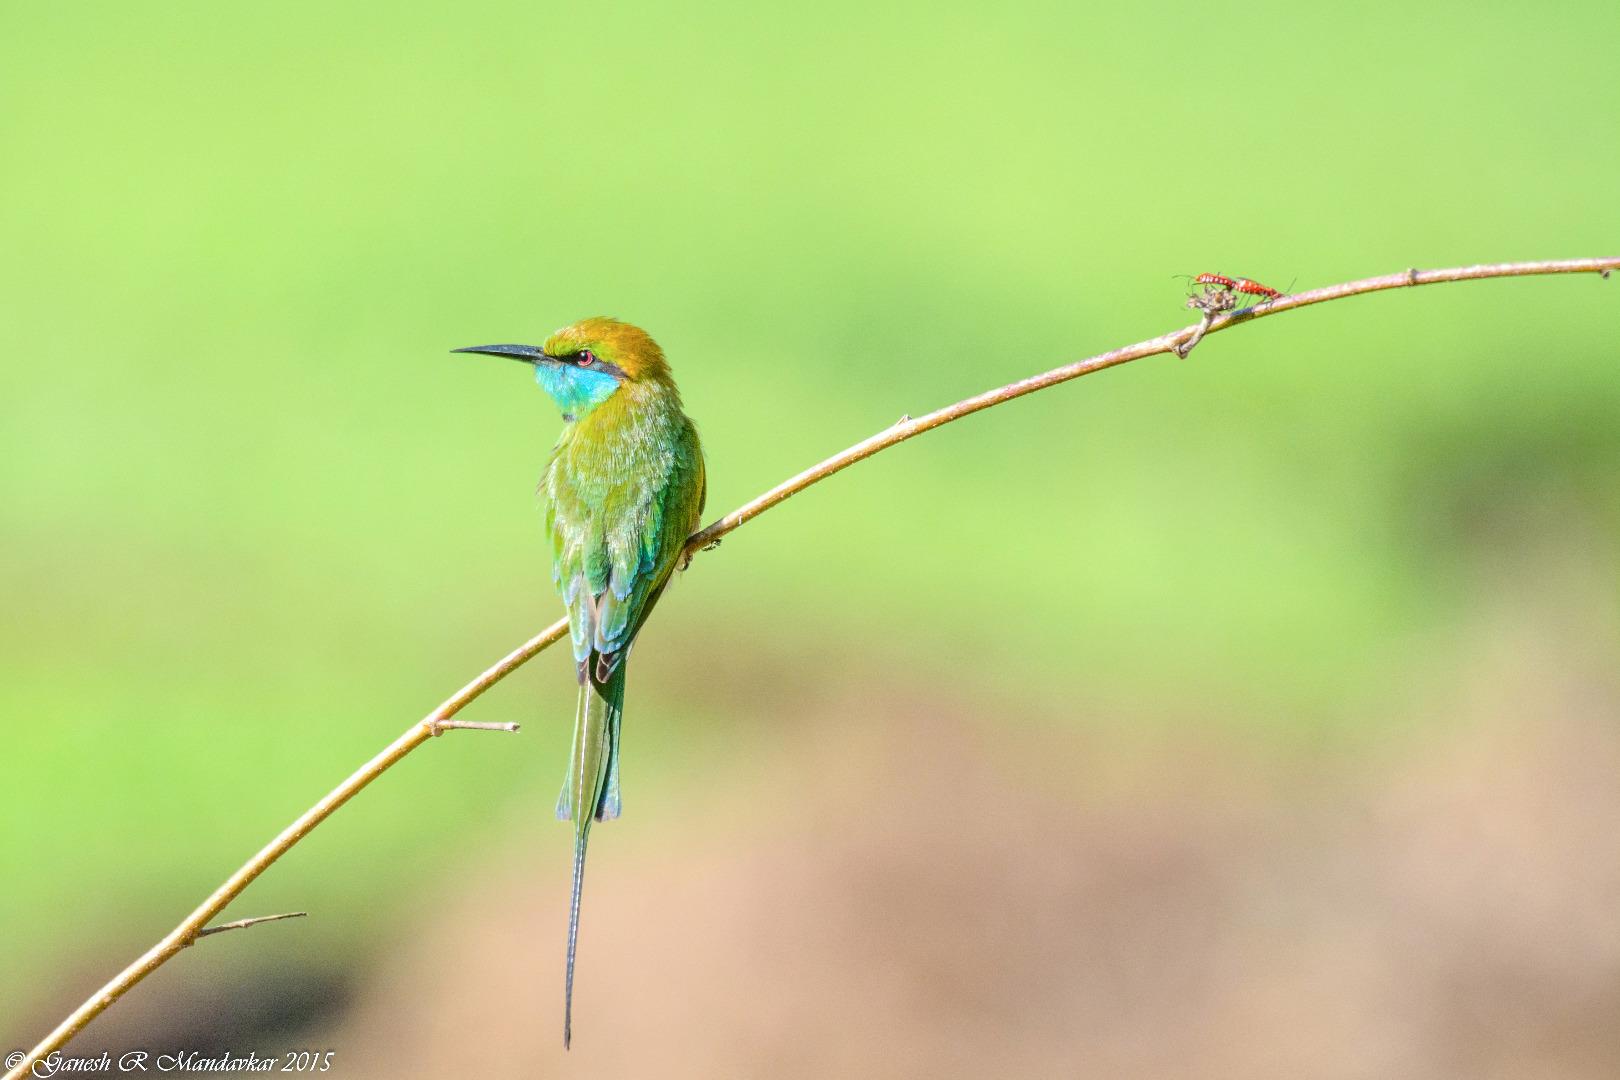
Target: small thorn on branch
[
  {"x": 905, "y": 418},
  {"x": 242, "y": 924},
  {"x": 439, "y": 727}
]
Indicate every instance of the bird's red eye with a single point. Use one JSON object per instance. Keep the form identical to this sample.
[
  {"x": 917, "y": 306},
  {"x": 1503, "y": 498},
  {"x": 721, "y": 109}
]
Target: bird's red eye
[{"x": 585, "y": 358}]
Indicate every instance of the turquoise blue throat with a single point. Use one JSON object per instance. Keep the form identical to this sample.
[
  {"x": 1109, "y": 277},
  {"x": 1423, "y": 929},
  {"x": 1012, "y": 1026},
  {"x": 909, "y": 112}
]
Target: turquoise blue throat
[{"x": 575, "y": 390}]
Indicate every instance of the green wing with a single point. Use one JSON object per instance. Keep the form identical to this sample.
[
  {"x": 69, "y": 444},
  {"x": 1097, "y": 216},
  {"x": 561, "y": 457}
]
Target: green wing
[
  {"x": 619, "y": 521},
  {"x": 619, "y": 516}
]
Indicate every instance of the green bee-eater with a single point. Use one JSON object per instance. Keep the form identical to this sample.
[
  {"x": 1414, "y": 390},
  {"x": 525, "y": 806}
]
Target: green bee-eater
[{"x": 625, "y": 489}]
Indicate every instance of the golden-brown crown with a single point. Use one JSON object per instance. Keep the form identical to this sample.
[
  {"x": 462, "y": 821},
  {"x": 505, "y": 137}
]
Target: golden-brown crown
[{"x": 628, "y": 347}]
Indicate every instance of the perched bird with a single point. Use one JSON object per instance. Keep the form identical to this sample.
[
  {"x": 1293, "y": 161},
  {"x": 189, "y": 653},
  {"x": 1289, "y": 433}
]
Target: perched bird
[{"x": 625, "y": 489}]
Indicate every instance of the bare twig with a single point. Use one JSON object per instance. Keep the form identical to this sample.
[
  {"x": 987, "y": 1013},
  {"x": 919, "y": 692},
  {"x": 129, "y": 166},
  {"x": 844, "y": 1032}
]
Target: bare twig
[
  {"x": 441, "y": 726},
  {"x": 243, "y": 924},
  {"x": 907, "y": 428}
]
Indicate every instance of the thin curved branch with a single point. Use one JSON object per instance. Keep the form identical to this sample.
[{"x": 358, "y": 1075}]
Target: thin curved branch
[
  {"x": 911, "y": 427},
  {"x": 906, "y": 428}
]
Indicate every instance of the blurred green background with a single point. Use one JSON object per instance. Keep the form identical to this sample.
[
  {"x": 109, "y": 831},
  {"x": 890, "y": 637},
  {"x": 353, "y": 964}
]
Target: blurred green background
[{"x": 1253, "y": 714}]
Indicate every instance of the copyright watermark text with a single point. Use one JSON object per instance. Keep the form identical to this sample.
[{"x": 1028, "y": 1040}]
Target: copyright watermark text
[{"x": 186, "y": 1061}]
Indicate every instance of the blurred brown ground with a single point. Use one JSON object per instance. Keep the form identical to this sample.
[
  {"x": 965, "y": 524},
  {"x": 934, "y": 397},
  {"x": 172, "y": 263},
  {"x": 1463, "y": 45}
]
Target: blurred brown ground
[{"x": 1457, "y": 916}]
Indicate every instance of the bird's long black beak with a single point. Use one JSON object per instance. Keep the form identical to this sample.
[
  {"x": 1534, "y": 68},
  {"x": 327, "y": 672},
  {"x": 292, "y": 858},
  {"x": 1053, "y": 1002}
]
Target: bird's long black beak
[{"x": 529, "y": 354}]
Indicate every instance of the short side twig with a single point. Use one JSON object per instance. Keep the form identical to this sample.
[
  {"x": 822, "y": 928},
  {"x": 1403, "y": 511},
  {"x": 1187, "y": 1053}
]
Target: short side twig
[
  {"x": 1205, "y": 321},
  {"x": 441, "y": 726},
  {"x": 243, "y": 924},
  {"x": 906, "y": 428}
]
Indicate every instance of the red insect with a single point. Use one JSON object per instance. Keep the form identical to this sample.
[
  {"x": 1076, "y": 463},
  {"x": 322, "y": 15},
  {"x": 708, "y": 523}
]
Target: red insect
[
  {"x": 1242, "y": 285},
  {"x": 1254, "y": 288}
]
